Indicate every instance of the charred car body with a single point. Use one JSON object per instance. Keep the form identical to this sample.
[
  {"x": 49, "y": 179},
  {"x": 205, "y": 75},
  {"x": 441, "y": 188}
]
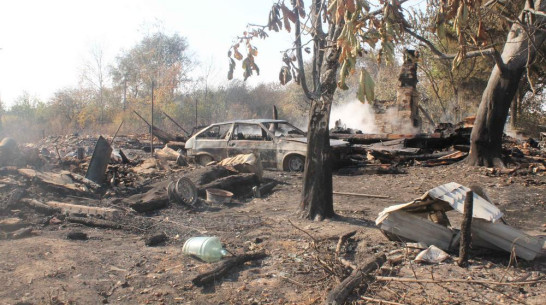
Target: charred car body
[{"x": 279, "y": 144}]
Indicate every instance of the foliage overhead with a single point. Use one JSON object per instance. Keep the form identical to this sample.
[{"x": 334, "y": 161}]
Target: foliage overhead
[{"x": 361, "y": 30}]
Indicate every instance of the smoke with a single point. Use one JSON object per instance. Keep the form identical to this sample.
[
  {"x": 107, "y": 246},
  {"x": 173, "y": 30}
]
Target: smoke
[
  {"x": 399, "y": 125},
  {"x": 511, "y": 132},
  {"x": 354, "y": 115}
]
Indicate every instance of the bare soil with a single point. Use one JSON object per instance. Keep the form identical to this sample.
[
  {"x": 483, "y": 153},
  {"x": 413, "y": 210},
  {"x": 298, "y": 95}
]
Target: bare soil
[{"x": 116, "y": 267}]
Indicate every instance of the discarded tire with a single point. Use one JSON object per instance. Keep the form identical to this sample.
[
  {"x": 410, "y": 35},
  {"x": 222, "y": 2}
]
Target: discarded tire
[{"x": 182, "y": 191}]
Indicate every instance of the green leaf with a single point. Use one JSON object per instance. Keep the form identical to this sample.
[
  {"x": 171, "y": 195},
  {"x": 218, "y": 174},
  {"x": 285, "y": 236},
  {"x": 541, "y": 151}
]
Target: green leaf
[{"x": 365, "y": 87}]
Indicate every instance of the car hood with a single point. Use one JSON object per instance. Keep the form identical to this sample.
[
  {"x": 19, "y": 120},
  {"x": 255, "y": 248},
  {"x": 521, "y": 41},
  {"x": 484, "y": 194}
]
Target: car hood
[{"x": 333, "y": 142}]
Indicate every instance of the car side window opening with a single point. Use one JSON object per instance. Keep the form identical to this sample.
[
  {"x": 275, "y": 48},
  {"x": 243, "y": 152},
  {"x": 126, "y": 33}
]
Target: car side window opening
[
  {"x": 217, "y": 132},
  {"x": 286, "y": 130},
  {"x": 249, "y": 132}
]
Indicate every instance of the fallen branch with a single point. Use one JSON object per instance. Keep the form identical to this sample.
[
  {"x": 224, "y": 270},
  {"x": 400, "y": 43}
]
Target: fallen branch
[
  {"x": 223, "y": 267},
  {"x": 342, "y": 239},
  {"x": 84, "y": 209},
  {"x": 40, "y": 207},
  {"x": 412, "y": 280},
  {"x": 339, "y": 294},
  {"x": 302, "y": 230}
]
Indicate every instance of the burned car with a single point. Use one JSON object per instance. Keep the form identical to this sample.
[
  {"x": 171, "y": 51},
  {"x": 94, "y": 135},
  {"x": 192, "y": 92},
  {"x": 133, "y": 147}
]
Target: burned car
[{"x": 279, "y": 144}]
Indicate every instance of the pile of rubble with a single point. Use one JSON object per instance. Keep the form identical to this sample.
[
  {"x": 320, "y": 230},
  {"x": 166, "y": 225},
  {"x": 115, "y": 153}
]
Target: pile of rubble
[
  {"x": 104, "y": 182},
  {"x": 447, "y": 145}
]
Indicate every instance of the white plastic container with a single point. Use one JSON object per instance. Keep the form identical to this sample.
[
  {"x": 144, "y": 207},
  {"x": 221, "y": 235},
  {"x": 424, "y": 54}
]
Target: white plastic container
[{"x": 207, "y": 248}]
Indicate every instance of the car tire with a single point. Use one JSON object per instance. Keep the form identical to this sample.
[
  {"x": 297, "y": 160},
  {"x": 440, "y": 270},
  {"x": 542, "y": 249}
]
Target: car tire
[
  {"x": 204, "y": 159},
  {"x": 294, "y": 163}
]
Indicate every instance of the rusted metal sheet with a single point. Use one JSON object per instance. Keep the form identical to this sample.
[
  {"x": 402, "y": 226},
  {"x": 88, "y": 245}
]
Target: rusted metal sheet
[
  {"x": 413, "y": 221},
  {"x": 99, "y": 161}
]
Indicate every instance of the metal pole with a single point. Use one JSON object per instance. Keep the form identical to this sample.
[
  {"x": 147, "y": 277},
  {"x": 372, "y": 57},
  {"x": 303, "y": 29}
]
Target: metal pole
[
  {"x": 195, "y": 112},
  {"x": 119, "y": 127},
  {"x": 152, "y": 124}
]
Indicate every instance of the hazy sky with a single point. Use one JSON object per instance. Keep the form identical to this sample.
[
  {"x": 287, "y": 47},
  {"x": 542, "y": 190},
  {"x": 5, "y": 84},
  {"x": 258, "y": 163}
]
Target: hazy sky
[{"x": 44, "y": 43}]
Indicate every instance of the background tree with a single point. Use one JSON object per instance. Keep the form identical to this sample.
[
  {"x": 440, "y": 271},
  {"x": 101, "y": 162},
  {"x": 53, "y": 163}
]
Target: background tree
[
  {"x": 158, "y": 58},
  {"x": 26, "y": 118},
  {"x": 94, "y": 77},
  {"x": 67, "y": 105}
]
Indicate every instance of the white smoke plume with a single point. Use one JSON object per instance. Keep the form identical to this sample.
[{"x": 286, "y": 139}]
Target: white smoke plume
[
  {"x": 398, "y": 125},
  {"x": 355, "y": 115}
]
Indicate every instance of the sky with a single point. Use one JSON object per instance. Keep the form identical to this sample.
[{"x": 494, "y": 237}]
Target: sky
[{"x": 44, "y": 44}]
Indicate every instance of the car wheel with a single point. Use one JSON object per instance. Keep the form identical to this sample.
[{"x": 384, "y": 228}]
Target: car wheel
[
  {"x": 204, "y": 159},
  {"x": 294, "y": 163}
]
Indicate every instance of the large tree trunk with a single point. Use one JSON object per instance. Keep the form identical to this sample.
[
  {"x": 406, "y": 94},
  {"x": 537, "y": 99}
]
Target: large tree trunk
[
  {"x": 317, "y": 201},
  {"x": 486, "y": 138}
]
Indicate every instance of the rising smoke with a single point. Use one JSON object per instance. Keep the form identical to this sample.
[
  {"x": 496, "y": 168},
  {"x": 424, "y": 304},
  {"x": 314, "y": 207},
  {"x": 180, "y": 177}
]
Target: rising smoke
[
  {"x": 355, "y": 115},
  {"x": 398, "y": 125}
]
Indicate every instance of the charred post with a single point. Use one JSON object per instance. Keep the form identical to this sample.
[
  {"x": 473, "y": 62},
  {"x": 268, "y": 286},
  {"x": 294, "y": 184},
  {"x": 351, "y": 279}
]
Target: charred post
[{"x": 466, "y": 236}]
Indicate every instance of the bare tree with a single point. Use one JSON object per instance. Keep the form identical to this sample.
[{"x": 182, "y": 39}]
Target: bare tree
[{"x": 94, "y": 75}]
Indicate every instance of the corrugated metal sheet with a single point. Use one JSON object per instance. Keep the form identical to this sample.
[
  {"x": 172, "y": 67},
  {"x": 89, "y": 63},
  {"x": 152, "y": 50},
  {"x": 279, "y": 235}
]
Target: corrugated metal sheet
[{"x": 455, "y": 194}]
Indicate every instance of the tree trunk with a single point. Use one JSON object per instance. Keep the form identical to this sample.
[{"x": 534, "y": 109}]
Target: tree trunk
[
  {"x": 486, "y": 138},
  {"x": 317, "y": 201}
]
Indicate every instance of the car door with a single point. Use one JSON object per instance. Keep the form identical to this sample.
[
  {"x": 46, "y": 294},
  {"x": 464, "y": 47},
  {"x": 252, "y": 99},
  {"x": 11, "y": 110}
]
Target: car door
[
  {"x": 253, "y": 138},
  {"x": 214, "y": 141}
]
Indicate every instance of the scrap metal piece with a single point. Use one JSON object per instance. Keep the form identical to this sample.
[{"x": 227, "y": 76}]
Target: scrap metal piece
[
  {"x": 99, "y": 161},
  {"x": 410, "y": 221},
  {"x": 403, "y": 226},
  {"x": 432, "y": 255},
  {"x": 452, "y": 196}
]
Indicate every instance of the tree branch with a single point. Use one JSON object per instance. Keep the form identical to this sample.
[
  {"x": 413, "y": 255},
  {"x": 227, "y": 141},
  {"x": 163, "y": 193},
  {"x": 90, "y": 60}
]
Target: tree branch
[
  {"x": 299, "y": 56},
  {"x": 500, "y": 63},
  {"x": 318, "y": 43},
  {"x": 535, "y": 12},
  {"x": 441, "y": 55}
]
